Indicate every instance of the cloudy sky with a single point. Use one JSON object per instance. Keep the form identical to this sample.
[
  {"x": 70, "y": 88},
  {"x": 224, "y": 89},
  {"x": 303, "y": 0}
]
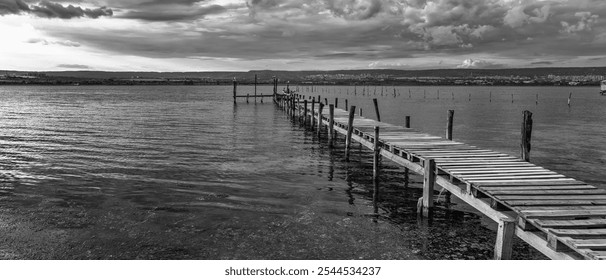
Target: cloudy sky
[{"x": 210, "y": 35}]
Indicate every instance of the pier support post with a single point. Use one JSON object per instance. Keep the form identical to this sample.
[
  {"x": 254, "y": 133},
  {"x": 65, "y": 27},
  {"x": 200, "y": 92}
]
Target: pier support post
[
  {"x": 407, "y": 122},
  {"x": 449, "y": 124},
  {"x": 320, "y": 107},
  {"x": 331, "y": 123},
  {"x": 526, "y": 135},
  {"x": 360, "y": 111},
  {"x": 255, "y": 88},
  {"x": 304, "y": 112},
  {"x": 313, "y": 118},
  {"x": 235, "y": 89},
  {"x": 503, "y": 246},
  {"x": 374, "y": 100},
  {"x": 375, "y": 168},
  {"x": 429, "y": 179},
  {"x": 336, "y": 102},
  {"x": 349, "y": 132},
  {"x": 345, "y": 104}
]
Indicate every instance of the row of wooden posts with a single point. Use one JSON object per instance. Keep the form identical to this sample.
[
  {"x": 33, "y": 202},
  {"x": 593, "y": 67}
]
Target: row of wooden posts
[
  {"x": 506, "y": 226},
  {"x": 289, "y": 103}
]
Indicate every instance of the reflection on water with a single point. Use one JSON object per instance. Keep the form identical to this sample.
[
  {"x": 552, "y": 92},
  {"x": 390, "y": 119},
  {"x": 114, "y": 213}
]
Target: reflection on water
[{"x": 183, "y": 173}]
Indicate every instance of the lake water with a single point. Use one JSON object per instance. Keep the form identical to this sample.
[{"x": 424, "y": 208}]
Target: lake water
[{"x": 154, "y": 172}]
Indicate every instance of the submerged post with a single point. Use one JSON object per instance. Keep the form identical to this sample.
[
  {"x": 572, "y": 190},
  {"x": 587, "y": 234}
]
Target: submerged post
[
  {"x": 375, "y": 168},
  {"x": 349, "y": 132},
  {"x": 429, "y": 179},
  {"x": 526, "y": 135},
  {"x": 374, "y": 100},
  {"x": 449, "y": 124}
]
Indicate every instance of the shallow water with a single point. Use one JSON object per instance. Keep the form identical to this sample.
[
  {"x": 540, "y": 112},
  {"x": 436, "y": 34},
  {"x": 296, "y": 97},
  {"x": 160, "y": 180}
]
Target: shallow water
[{"x": 155, "y": 172}]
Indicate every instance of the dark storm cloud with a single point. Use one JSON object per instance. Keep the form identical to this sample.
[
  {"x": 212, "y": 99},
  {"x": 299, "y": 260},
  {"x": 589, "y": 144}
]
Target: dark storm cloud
[
  {"x": 163, "y": 14},
  {"x": 49, "y": 9},
  {"x": 356, "y": 30}
]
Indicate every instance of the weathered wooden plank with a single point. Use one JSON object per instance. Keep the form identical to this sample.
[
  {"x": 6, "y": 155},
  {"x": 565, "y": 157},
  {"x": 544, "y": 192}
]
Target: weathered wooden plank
[
  {"x": 552, "y": 197},
  {"x": 535, "y": 214},
  {"x": 527, "y": 182},
  {"x": 548, "y": 202},
  {"x": 579, "y": 233},
  {"x": 531, "y": 188},
  {"x": 545, "y": 192},
  {"x": 592, "y": 244},
  {"x": 496, "y": 170},
  {"x": 567, "y": 224},
  {"x": 511, "y": 176}
]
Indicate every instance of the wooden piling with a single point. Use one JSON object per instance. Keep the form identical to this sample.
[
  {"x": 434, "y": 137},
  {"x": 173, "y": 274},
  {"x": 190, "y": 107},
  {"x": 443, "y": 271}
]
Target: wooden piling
[
  {"x": 569, "y": 97},
  {"x": 235, "y": 89},
  {"x": 320, "y": 107},
  {"x": 349, "y": 132},
  {"x": 375, "y": 167},
  {"x": 345, "y": 104},
  {"x": 526, "y": 135},
  {"x": 407, "y": 121},
  {"x": 313, "y": 118},
  {"x": 449, "y": 124},
  {"x": 429, "y": 179},
  {"x": 374, "y": 100},
  {"x": 255, "y": 88},
  {"x": 304, "y": 112},
  {"x": 504, "y": 243},
  {"x": 360, "y": 112},
  {"x": 331, "y": 123}
]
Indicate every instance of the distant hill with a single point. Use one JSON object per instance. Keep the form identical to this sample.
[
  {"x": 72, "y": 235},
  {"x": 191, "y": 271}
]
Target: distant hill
[{"x": 268, "y": 74}]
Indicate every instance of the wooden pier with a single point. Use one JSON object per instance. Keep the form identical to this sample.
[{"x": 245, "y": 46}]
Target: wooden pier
[{"x": 561, "y": 217}]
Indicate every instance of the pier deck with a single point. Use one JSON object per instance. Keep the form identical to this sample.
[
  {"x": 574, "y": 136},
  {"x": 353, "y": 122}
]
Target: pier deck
[{"x": 562, "y": 217}]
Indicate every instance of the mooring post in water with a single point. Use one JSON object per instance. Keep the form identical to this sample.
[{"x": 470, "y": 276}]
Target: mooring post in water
[
  {"x": 349, "y": 132},
  {"x": 503, "y": 247},
  {"x": 345, "y": 104},
  {"x": 526, "y": 135},
  {"x": 449, "y": 124},
  {"x": 235, "y": 89},
  {"x": 320, "y": 107},
  {"x": 569, "y": 97},
  {"x": 304, "y": 112},
  {"x": 313, "y": 118},
  {"x": 360, "y": 112},
  {"x": 407, "y": 122},
  {"x": 374, "y": 100},
  {"x": 247, "y": 95},
  {"x": 425, "y": 204},
  {"x": 375, "y": 168},
  {"x": 336, "y": 102},
  {"x": 331, "y": 123},
  {"x": 255, "y": 88}
]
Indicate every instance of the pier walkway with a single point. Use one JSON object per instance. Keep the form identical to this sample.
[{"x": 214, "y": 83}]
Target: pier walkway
[{"x": 562, "y": 217}]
